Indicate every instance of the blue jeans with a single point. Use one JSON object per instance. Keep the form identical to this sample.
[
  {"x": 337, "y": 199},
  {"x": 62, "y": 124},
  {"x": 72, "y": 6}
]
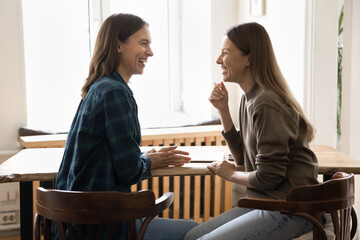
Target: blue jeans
[
  {"x": 241, "y": 223},
  {"x": 169, "y": 229},
  {"x": 158, "y": 229}
]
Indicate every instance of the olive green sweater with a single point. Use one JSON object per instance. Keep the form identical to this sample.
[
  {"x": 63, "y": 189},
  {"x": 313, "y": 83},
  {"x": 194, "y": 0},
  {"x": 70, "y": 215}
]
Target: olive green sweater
[{"x": 273, "y": 147}]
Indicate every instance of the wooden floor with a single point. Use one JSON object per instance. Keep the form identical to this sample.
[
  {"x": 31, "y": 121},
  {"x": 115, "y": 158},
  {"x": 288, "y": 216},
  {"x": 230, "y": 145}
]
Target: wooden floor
[
  {"x": 16, "y": 237},
  {"x": 10, "y": 235}
]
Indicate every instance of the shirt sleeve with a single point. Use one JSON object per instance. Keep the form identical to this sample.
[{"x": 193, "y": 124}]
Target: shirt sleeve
[
  {"x": 274, "y": 130},
  {"x": 122, "y": 130}
]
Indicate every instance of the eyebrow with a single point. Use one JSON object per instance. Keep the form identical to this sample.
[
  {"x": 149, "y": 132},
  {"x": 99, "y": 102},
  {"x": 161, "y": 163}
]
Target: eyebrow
[{"x": 145, "y": 40}]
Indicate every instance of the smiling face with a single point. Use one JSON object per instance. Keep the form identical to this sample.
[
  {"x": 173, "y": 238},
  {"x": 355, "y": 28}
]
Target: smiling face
[
  {"x": 134, "y": 53},
  {"x": 234, "y": 63}
]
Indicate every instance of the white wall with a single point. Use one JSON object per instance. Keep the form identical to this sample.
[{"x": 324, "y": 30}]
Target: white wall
[
  {"x": 351, "y": 87},
  {"x": 324, "y": 64},
  {"x": 12, "y": 81},
  {"x": 351, "y": 82}
]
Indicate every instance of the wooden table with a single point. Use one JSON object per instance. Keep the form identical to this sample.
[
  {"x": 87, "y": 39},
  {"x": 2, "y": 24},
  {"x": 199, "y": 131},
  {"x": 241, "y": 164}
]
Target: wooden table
[{"x": 42, "y": 165}]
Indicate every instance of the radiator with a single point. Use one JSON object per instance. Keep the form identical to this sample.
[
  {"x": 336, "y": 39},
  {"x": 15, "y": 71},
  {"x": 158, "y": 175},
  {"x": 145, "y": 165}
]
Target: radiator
[{"x": 196, "y": 197}]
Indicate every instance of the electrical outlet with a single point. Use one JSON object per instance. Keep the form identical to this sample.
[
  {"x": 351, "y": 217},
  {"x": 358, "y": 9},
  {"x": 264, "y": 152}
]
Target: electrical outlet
[
  {"x": 7, "y": 218},
  {"x": 3, "y": 196},
  {"x": 12, "y": 195}
]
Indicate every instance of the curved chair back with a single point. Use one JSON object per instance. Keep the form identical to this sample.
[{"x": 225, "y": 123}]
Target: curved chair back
[
  {"x": 77, "y": 213},
  {"x": 335, "y": 196}
]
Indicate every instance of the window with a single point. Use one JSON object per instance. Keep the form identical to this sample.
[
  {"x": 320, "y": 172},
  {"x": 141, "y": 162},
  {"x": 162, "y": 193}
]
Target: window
[
  {"x": 56, "y": 43},
  {"x": 59, "y": 37}
]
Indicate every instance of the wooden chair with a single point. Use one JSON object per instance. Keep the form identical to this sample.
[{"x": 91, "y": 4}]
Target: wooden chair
[
  {"x": 104, "y": 209},
  {"x": 335, "y": 196}
]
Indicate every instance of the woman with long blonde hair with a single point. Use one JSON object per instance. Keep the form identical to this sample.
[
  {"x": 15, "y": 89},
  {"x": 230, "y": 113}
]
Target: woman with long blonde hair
[{"x": 272, "y": 140}]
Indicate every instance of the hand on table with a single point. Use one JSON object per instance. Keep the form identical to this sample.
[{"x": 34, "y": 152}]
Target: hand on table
[
  {"x": 167, "y": 156},
  {"x": 224, "y": 169}
]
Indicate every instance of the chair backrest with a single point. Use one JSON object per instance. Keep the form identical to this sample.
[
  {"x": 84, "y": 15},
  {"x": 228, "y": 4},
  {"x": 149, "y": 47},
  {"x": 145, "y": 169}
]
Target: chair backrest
[
  {"x": 74, "y": 211},
  {"x": 335, "y": 196}
]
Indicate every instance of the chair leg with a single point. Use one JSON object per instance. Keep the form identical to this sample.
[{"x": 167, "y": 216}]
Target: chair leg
[
  {"x": 131, "y": 229},
  {"x": 354, "y": 223},
  {"x": 318, "y": 231},
  {"x": 37, "y": 226},
  {"x": 317, "y": 234},
  {"x": 144, "y": 227}
]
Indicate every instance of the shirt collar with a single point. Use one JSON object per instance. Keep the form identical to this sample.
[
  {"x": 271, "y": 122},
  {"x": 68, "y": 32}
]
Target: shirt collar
[
  {"x": 119, "y": 78},
  {"x": 253, "y": 92}
]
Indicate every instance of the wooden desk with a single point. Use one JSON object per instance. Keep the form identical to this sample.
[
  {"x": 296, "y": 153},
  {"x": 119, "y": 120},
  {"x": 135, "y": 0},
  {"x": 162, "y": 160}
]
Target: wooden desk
[{"x": 42, "y": 165}]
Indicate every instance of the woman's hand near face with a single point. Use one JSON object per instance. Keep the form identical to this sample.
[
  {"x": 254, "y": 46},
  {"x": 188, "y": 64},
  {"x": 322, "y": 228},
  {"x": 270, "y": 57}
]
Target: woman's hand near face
[
  {"x": 219, "y": 97},
  {"x": 167, "y": 156}
]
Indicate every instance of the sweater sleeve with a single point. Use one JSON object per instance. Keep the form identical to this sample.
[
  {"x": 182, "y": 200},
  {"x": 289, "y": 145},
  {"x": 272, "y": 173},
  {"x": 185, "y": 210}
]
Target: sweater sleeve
[
  {"x": 274, "y": 130},
  {"x": 235, "y": 144}
]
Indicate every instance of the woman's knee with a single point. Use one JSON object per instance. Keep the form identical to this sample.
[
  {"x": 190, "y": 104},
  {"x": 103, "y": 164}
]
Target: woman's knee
[{"x": 164, "y": 228}]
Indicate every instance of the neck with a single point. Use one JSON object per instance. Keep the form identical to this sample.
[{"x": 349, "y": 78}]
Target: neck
[
  {"x": 247, "y": 83},
  {"x": 124, "y": 74}
]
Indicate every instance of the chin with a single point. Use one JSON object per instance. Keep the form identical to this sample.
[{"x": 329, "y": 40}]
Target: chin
[{"x": 226, "y": 79}]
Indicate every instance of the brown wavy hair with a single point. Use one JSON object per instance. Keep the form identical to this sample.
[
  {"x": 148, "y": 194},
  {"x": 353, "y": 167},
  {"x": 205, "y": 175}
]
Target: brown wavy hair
[
  {"x": 254, "y": 41},
  {"x": 105, "y": 57}
]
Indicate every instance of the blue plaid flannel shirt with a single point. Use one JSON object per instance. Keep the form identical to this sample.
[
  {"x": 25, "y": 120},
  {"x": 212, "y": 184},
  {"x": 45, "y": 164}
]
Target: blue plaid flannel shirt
[{"x": 102, "y": 149}]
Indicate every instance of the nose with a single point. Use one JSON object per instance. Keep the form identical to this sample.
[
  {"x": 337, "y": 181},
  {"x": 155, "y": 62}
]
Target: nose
[
  {"x": 149, "y": 52},
  {"x": 219, "y": 60}
]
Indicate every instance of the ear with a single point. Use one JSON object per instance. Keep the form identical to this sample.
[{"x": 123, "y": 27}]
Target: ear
[
  {"x": 119, "y": 43},
  {"x": 247, "y": 61}
]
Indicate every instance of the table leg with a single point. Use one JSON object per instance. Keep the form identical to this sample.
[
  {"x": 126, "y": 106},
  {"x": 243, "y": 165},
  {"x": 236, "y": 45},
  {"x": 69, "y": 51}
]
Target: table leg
[
  {"x": 47, "y": 184},
  {"x": 26, "y": 210}
]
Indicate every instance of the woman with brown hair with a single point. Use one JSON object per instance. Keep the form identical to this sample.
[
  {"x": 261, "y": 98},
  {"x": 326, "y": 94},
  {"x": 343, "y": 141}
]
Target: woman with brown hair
[
  {"x": 272, "y": 141},
  {"x": 102, "y": 151}
]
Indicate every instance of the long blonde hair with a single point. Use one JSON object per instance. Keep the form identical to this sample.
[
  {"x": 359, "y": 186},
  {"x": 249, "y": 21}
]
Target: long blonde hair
[
  {"x": 253, "y": 40},
  {"x": 105, "y": 58}
]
